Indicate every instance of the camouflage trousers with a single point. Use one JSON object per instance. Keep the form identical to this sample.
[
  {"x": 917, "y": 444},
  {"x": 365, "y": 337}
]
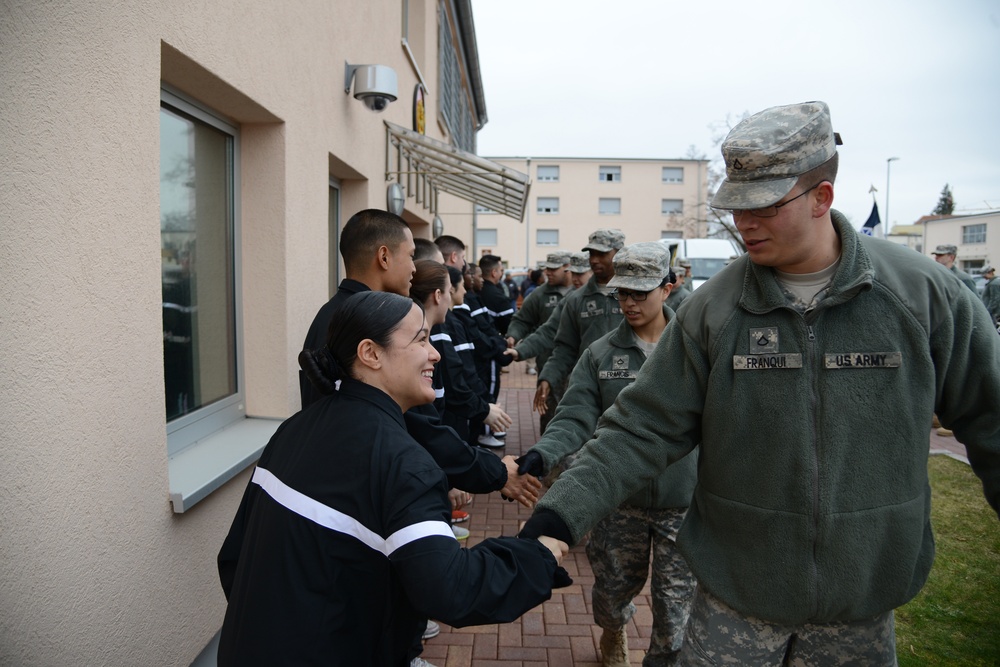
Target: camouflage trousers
[
  {"x": 619, "y": 552},
  {"x": 719, "y": 635}
]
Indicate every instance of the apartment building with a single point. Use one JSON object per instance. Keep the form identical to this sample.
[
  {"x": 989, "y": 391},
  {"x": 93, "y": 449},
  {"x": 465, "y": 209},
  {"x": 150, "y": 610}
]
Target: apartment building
[
  {"x": 175, "y": 176},
  {"x": 570, "y": 197}
]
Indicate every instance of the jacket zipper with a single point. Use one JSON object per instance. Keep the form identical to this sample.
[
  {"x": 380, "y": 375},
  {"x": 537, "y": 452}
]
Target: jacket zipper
[{"x": 814, "y": 402}]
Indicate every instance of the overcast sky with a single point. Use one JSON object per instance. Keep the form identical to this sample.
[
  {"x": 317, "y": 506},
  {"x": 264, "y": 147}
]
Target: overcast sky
[{"x": 918, "y": 80}]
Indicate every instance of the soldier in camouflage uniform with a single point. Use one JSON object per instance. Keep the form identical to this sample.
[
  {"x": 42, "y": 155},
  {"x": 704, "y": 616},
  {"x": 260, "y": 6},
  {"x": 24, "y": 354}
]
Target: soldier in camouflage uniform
[
  {"x": 945, "y": 255},
  {"x": 621, "y": 543},
  {"x": 538, "y": 307},
  {"x": 810, "y": 520},
  {"x": 579, "y": 268}
]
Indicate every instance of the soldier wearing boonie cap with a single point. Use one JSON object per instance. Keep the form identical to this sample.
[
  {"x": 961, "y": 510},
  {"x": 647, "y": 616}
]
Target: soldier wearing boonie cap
[
  {"x": 645, "y": 525},
  {"x": 945, "y": 255},
  {"x": 589, "y": 313},
  {"x": 812, "y": 519}
]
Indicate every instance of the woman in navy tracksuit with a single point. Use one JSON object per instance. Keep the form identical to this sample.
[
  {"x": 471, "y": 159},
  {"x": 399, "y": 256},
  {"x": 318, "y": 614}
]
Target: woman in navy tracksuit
[{"x": 342, "y": 542}]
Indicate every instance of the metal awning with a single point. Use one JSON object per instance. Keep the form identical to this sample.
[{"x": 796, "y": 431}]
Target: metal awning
[{"x": 452, "y": 170}]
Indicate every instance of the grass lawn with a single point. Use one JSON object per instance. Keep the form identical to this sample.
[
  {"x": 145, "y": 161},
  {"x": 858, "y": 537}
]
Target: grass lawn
[{"x": 955, "y": 620}]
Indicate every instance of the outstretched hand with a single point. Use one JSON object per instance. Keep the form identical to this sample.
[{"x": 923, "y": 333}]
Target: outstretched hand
[
  {"x": 542, "y": 397},
  {"x": 522, "y": 488}
]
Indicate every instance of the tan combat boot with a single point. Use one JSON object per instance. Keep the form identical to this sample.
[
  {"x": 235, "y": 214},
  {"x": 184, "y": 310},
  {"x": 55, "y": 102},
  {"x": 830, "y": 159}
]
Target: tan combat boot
[{"x": 614, "y": 648}]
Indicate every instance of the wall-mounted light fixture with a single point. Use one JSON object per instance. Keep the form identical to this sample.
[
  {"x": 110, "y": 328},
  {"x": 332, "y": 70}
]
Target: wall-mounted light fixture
[
  {"x": 394, "y": 199},
  {"x": 375, "y": 85}
]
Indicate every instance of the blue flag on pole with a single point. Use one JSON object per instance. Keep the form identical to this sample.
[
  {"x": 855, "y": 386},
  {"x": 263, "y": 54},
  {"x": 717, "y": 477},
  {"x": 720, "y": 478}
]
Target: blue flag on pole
[{"x": 872, "y": 222}]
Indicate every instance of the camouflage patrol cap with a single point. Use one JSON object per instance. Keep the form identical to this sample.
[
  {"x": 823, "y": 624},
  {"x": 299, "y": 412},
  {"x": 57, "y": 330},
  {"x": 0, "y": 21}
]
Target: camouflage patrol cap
[
  {"x": 605, "y": 240},
  {"x": 641, "y": 266},
  {"x": 766, "y": 153},
  {"x": 945, "y": 249},
  {"x": 986, "y": 269},
  {"x": 556, "y": 260},
  {"x": 579, "y": 262}
]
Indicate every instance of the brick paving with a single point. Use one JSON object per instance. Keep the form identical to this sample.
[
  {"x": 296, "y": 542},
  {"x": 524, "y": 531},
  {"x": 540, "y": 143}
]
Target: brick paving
[{"x": 562, "y": 630}]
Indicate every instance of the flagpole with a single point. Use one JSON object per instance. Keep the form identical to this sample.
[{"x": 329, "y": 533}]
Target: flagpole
[{"x": 885, "y": 227}]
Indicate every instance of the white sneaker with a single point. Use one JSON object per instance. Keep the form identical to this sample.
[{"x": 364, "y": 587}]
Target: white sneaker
[
  {"x": 433, "y": 630},
  {"x": 460, "y": 534},
  {"x": 532, "y": 371},
  {"x": 500, "y": 435},
  {"x": 420, "y": 662},
  {"x": 489, "y": 441}
]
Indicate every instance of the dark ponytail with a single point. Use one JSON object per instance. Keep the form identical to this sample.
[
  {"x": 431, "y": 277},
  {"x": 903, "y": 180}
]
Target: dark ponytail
[{"x": 374, "y": 315}]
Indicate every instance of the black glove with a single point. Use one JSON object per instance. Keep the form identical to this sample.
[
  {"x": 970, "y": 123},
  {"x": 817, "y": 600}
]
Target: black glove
[
  {"x": 546, "y": 522},
  {"x": 531, "y": 464},
  {"x": 561, "y": 578}
]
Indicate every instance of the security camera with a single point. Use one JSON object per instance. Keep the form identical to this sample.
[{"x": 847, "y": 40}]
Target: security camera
[{"x": 375, "y": 85}]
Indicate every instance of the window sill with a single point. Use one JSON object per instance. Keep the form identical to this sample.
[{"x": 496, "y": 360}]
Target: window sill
[{"x": 211, "y": 462}]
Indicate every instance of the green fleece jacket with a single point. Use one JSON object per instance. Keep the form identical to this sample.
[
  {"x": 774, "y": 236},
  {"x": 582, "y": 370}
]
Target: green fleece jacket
[
  {"x": 544, "y": 337},
  {"x": 812, "y": 502},
  {"x": 609, "y": 365},
  {"x": 533, "y": 313},
  {"x": 587, "y": 315}
]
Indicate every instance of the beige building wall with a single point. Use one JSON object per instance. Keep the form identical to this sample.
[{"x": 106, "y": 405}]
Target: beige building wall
[
  {"x": 641, "y": 191},
  {"x": 965, "y": 232},
  {"x": 95, "y": 566}
]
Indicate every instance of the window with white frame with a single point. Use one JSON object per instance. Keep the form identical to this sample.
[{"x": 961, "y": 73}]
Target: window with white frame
[
  {"x": 974, "y": 233},
  {"x": 673, "y": 174},
  {"x": 486, "y": 238},
  {"x": 609, "y": 174},
  {"x": 547, "y": 237},
  {"x": 548, "y": 173},
  {"x": 609, "y": 206},
  {"x": 548, "y": 205},
  {"x": 199, "y": 267},
  {"x": 671, "y": 206}
]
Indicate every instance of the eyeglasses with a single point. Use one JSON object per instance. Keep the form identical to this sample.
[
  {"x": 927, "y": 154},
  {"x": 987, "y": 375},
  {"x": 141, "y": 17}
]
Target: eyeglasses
[
  {"x": 772, "y": 210},
  {"x": 623, "y": 295}
]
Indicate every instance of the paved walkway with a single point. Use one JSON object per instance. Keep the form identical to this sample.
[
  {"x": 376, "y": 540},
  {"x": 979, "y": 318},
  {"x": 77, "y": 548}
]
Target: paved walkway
[{"x": 561, "y": 631}]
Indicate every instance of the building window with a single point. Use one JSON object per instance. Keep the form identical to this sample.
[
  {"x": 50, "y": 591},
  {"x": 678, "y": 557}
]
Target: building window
[
  {"x": 974, "y": 233},
  {"x": 484, "y": 210},
  {"x": 486, "y": 238},
  {"x": 199, "y": 227},
  {"x": 548, "y": 173},
  {"x": 548, "y": 205},
  {"x": 547, "y": 237},
  {"x": 453, "y": 102},
  {"x": 671, "y": 206},
  {"x": 671, "y": 234},
  {"x": 609, "y": 206},
  {"x": 609, "y": 174},
  {"x": 673, "y": 174}
]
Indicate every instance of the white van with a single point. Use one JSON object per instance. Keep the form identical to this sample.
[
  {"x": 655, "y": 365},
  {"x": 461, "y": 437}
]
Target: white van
[{"x": 707, "y": 256}]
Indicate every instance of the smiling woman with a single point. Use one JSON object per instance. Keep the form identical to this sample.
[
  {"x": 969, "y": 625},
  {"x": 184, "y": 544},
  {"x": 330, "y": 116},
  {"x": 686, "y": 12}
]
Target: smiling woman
[{"x": 342, "y": 542}]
